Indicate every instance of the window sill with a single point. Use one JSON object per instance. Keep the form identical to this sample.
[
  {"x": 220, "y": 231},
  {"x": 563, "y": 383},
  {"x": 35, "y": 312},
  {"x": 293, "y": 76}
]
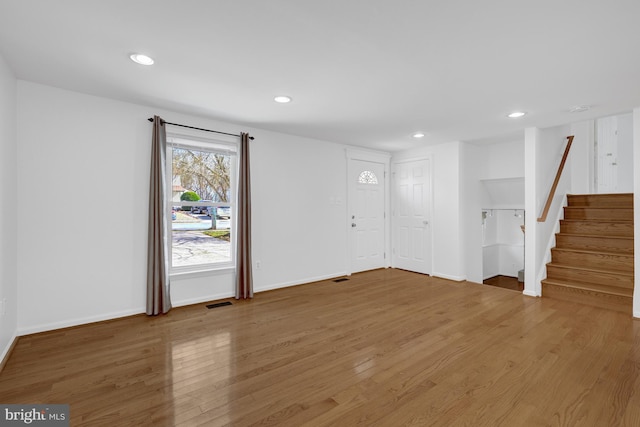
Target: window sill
[{"x": 203, "y": 272}]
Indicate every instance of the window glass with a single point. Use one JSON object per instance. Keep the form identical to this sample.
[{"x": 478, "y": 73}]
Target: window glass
[
  {"x": 201, "y": 203},
  {"x": 367, "y": 177}
]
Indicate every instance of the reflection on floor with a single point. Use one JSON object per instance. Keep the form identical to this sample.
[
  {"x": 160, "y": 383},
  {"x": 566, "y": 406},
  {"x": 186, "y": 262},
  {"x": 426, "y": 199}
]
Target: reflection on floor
[{"x": 505, "y": 282}]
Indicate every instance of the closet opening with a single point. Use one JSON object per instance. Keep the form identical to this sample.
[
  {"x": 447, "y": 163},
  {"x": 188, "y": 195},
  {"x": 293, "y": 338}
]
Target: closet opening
[{"x": 503, "y": 248}]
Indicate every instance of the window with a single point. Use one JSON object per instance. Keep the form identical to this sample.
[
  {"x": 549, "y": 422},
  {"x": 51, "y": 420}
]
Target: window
[
  {"x": 201, "y": 203},
  {"x": 367, "y": 177}
]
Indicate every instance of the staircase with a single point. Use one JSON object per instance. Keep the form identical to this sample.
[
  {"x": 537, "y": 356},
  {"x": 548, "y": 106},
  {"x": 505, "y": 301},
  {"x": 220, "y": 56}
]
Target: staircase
[{"x": 592, "y": 262}]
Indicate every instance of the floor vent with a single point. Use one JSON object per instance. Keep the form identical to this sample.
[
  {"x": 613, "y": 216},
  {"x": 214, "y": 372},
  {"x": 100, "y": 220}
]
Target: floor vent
[
  {"x": 219, "y": 304},
  {"x": 344, "y": 279}
]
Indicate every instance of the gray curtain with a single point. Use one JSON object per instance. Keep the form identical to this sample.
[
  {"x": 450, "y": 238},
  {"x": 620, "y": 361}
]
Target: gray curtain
[
  {"x": 244, "y": 279},
  {"x": 158, "y": 298}
]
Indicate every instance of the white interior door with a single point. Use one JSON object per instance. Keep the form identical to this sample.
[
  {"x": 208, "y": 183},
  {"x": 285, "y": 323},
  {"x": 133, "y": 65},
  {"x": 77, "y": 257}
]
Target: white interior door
[
  {"x": 411, "y": 216},
  {"x": 607, "y": 155},
  {"x": 366, "y": 215}
]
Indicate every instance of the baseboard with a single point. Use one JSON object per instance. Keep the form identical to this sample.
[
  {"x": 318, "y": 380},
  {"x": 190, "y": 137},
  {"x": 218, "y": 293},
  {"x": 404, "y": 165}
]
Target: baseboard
[
  {"x": 77, "y": 322},
  {"x": 636, "y": 314},
  {"x": 7, "y": 351},
  {"x": 297, "y": 282},
  {"x": 530, "y": 293},
  {"x": 449, "y": 277}
]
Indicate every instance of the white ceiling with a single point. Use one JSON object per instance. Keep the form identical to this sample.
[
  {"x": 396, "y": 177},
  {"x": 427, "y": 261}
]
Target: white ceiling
[{"x": 361, "y": 72}]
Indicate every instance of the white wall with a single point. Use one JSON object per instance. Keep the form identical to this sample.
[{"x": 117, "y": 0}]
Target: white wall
[
  {"x": 83, "y": 162},
  {"x": 446, "y": 222},
  {"x": 471, "y": 200},
  {"x": 502, "y": 160},
  {"x": 505, "y": 193},
  {"x": 625, "y": 153},
  {"x": 8, "y": 208},
  {"x": 543, "y": 150},
  {"x": 299, "y": 210},
  {"x": 581, "y": 157}
]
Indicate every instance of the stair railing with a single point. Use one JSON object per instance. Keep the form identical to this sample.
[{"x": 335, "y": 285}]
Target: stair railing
[{"x": 552, "y": 192}]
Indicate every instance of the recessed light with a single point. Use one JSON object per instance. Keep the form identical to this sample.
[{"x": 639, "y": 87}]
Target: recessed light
[
  {"x": 282, "y": 99},
  {"x": 579, "y": 108},
  {"x": 418, "y": 135},
  {"x": 516, "y": 114},
  {"x": 141, "y": 59}
]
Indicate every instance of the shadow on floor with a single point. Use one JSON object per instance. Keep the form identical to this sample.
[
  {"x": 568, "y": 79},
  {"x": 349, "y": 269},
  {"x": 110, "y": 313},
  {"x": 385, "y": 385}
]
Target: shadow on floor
[{"x": 505, "y": 282}]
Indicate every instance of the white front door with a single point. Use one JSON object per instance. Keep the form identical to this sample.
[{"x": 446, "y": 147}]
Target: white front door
[
  {"x": 366, "y": 215},
  {"x": 411, "y": 216}
]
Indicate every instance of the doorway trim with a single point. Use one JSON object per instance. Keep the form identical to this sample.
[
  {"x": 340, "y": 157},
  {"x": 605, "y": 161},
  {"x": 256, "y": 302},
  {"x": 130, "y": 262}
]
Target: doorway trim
[{"x": 385, "y": 160}]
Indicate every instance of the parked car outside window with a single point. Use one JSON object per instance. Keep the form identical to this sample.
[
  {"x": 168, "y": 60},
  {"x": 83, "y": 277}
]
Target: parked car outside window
[{"x": 201, "y": 209}]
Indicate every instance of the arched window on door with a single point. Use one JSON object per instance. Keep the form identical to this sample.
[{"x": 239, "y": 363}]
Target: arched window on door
[{"x": 367, "y": 177}]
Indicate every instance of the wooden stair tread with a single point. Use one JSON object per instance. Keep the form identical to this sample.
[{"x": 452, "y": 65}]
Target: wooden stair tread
[
  {"x": 592, "y": 287},
  {"x": 595, "y": 213},
  {"x": 588, "y": 296},
  {"x": 592, "y": 252},
  {"x": 597, "y": 227},
  {"x": 598, "y": 207},
  {"x": 599, "y": 220},
  {"x": 597, "y": 259},
  {"x": 602, "y": 195},
  {"x": 595, "y": 243},
  {"x": 594, "y": 258},
  {"x": 591, "y": 269},
  {"x": 605, "y": 200},
  {"x": 596, "y": 236}
]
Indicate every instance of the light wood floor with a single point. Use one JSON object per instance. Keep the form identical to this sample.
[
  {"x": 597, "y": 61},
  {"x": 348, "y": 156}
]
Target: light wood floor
[{"x": 385, "y": 348}]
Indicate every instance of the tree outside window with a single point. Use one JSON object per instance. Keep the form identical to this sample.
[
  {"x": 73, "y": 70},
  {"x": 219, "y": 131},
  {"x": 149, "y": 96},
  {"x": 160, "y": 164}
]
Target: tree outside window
[{"x": 201, "y": 204}]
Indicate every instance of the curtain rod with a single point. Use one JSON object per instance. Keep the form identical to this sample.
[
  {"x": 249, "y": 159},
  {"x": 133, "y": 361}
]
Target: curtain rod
[{"x": 192, "y": 127}]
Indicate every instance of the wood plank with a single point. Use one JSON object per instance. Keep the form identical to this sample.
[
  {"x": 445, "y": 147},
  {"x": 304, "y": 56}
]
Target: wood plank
[
  {"x": 597, "y": 228},
  {"x": 595, "y": 243},
  {"x": 387, "y": 347},
  {"x": 624, "y": 200},
  {"x": 597, "y": 260},
  {"x": 590, "y": 288},
  {"x": 583, "y": 295},
  {"x": 613, "y": 279},
  {"x": 598, "y": 213}
]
